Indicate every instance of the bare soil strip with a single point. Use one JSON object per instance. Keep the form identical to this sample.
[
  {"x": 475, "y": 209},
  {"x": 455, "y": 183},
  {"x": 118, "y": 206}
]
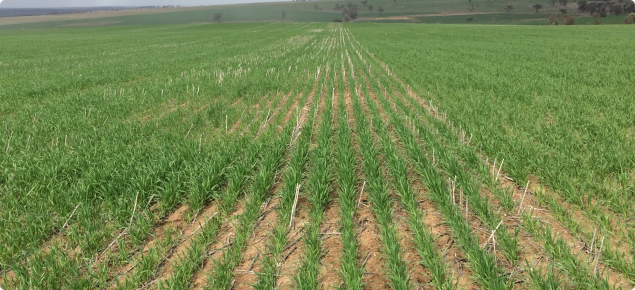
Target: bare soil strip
[
  {"x": 245, "y": 273},
  {"x": 179, "y": 252},
  {"x": 295, "y": 246},
  {"x": 215, "y": 251},
  {"x": 92, "y": 24},
  {"x": 175, "y": 221},
  {"x": 329, "y": 229}
]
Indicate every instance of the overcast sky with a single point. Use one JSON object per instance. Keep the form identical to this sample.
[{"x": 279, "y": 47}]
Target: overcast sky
[{"x": 92, "y": 3}]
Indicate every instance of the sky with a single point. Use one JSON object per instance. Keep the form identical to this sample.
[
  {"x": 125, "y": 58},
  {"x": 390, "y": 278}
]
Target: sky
[{"x": 93, "y": 3}]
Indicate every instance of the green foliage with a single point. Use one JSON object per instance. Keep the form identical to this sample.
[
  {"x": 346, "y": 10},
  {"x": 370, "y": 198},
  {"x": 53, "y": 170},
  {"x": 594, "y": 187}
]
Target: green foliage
[
  {"x": 109, "y": 141},
  {"x": 103, "y": 140}
]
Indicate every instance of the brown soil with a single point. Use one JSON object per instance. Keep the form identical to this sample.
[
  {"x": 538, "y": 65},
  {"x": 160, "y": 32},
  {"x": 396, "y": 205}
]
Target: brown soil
[
  {"x": 579, "y": 248},
  {"x": 369, "y": 238},
  {"x": 9, "y": 275},
  {"x": 418, "y": 275},
  {"x": 329, "y": 229},
  {"x": 92, "y": 24},
  {"x": 587, "y": 226},
  {"x": 215, "y": 251},
  {"x": 88, "y": 15},
  {"x": 245, "y": 273},
  {"x": 175, "y": 221},
  {"x": 370, "y": 248},
  {"x": 294, "y": 247},
  {"x": 332, "y": 245},
  {"x": 294, "y": 108},
  {"x": 180, "y": 251}
]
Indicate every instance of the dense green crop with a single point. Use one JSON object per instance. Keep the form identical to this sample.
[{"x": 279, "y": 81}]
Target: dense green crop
[{"x": 138, "y": 157}]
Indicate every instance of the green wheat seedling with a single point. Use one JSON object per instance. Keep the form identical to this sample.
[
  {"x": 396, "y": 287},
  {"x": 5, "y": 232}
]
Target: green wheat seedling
[
  {"x": 550, "y": 141},
  {"x": 318, "y": 186},
  {"x": 484, "y": 267},
  {"x": 347, "y": 180},
  {"x": 469, "y": 186},
  {"x": 431, "y": 258},
  {"x": 378, "y": 196},
  {"x": 292, "y": 180},
  {"x": 580, "y": 273},
  {"x": 223, "y": 275}
]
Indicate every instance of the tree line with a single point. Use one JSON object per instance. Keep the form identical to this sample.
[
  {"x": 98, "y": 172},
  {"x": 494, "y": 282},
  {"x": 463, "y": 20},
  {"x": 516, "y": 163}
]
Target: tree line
[{"x": 350, "y": 11}]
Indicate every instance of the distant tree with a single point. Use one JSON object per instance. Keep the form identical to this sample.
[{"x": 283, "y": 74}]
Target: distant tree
[
  {"x": 617, "y": 9},
  {"x": 471, "y": 8},
  {"x": 564, "y": 2},
  {"x": 567, "y": 19},
  {"x": 316, "y": 7},
  {"x": 537, "y": 7},
  {"x": 596, "y": 18},
  {"x": 345, "y": 15},
  {"x": 630, "y": 7},
  {"x": 553, "y": 2},
  {"x": 591, "y": 7},
  {"x": 351, "y": 13},
  {"x": 381, "y": 10},
  {"x": 365, "y": 2},
  {"x": 470, "y": 19},
  {"x": 284, "y": 15},
  {"x": 509, "y": 8},
  {"x": 395, "y": 1},
  {"x": 349, "y": 5},
  {"x": 553, "y": 20},
  {"x": 469, "y": 1},
  {"x": 370, "y": 7},
  {"x": 354, "y": 12},
  {"x": 582, "y": 6},
  {"x": 563, "y": 11},
  {"x": 217, "y": 17}
]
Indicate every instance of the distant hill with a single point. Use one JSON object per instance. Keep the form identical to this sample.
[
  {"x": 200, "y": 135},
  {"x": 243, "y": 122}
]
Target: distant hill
[
  {"x": 409, "y": 11},
  {"x": 15, "y": 12}
]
